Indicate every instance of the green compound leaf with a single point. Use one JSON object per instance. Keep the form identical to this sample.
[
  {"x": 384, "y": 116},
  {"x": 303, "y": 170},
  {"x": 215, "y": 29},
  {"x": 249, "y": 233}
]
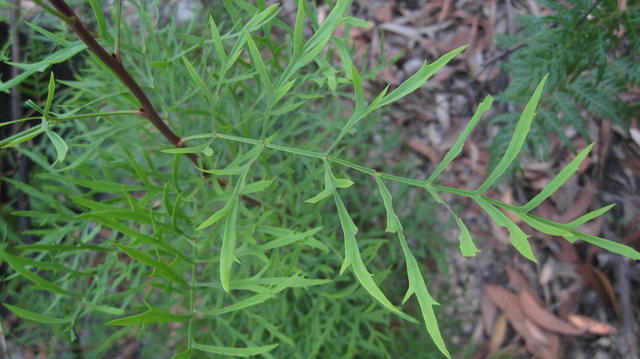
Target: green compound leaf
[
  {"x": 160, "y": 268},
  {"x": 298, "y": 31},
  {"x": 418, "y": 287},
  {"x": 558, "y": 180},
  {"x": 49, "y": 35},
  {"x": 21, "y": 137},
  {"x": 199, "y": 82},
  {"x": 234, "y": 352},
  {"x": 258, "y": 62},
  {"x": 590, "y": 216},
  {"x": 329, "y": 185},
  {"x": 323, "y": 34},
  {"x": 517, "y": 237},
  {"x": 467, "y": 247},
  {"x": 51, "y": 90},
  {"x": 217, "y": 40},
  {"x": 519, "y": 136},
  {"x": 242, "y": 304},
  {"x": 58, "y": 143},
  {"x": 152, "y": 315},
  {"x": 570, "y": 234},
  {"x": 343, "y": 182},
  {"x": 354, "y": 260},
  {"x": 29, "y": 69},
  {"x": 349, "y": 231},
  {"x": 417, "y": 284},
  {"x": 419, "y": 78},
  {"x": 227, "y": 209},
  {"x": 544, "y": 226},
  {"x": 392, "y": 218},
  {"x": 37, "y": 317},
  {"x": 100, "y": 19},
  {"x": 611, "y": 246},
  {"x": 358, "y": 90},
  {"x": 455, "y": 150},
  {"x": 18, "y": 266},
  {"x": 203, "y": 148},
  {"x": 318, "y": 40},
  {"x": 139, "y": 237},
  {"x": 228, "y": 249},
  {"x": 257, "y": 186}
]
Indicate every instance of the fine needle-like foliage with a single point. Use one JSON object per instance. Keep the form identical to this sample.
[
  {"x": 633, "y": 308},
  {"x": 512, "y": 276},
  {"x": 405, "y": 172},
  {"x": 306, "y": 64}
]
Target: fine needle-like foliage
[
  {"x": 236, "y": 246},
  {"x": 591, "y": 51}
]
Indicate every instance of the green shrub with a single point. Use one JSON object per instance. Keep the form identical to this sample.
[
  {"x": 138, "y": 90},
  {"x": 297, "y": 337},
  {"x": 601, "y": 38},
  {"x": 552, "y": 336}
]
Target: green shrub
[
  {"x": 243, "y": 254},
  {"x": 589, "y": 62}
]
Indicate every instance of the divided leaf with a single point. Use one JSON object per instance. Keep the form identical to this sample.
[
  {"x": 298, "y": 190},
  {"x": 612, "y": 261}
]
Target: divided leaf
[
  {"x": 228, "y": 249},
  {"x": 590, "y": 216},
  {"x": 202, "y": 148},
  {"x": 558, "y": 180},
  {"x": 298, "y": 30},
  {"x": 517, "y": 237},
  {"x": 227, "y": 209},
  {"x": 29, "y": 69},
  {"x": 152, "y": 315},
  {"x": 199, "y": 82},
  {"x": 36, "y": 317},
  {"x": 159, "y": 267},
  {"x": 392, "y": 218},
  {"x": 41, "y": 283},
  {"x": 570, "y": 234},
  {"x": 353, "y": 259},
  {"x": 455, "y": 150},
  {"x": 417, "y": 284},
  {"x": 234, "y": 352},
  {"x": 467, "y": 247},
  {"x": 329, "y": 185},
  {"x": 217, "y": 40},
  {"x": 519, "y": 136},
  {"x": 419, "y": 78}
]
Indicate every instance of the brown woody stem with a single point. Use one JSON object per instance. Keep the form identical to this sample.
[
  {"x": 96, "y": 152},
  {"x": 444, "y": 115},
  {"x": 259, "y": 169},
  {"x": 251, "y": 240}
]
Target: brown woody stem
[
  {"x": 116, "y": 66},
  {"x": 114, "y": 63}
]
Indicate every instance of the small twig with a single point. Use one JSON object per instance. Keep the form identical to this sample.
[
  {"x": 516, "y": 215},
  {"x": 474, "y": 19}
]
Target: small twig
[
  {"x": 584, "y": 17},
  {"x": 500, "y": 56}
]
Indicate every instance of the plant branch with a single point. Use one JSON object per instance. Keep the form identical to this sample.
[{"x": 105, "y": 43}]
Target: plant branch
[
  {"x": 562, "y": 229},
  {"x": 113, "y": 61},
  {"x": 118, "y": 69}
]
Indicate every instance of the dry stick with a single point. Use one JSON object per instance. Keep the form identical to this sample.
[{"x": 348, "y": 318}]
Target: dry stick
[{"x": 111, "y": 60}]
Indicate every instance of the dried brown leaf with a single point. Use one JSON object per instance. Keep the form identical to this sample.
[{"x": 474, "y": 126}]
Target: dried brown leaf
[
  {"x": 489, "y": 312},
  {"x": 591, "y": 325},
  {"x": 499, "y": 333},
  {"x": 518, "y": 281},
  {"x": 543, "y": 318},
  {"x": 543, "y": 345},
  {"x": 424, "y": 150}
]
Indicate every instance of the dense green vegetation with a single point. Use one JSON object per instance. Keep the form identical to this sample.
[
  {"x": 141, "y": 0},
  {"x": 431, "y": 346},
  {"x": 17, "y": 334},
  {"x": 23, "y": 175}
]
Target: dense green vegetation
[
  {"x": 258, "y": 231},
  {"x": 591, "y": 51}
]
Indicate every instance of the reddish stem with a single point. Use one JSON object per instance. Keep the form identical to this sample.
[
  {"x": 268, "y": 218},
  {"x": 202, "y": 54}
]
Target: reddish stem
[{"x": 147, "y": 109}]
